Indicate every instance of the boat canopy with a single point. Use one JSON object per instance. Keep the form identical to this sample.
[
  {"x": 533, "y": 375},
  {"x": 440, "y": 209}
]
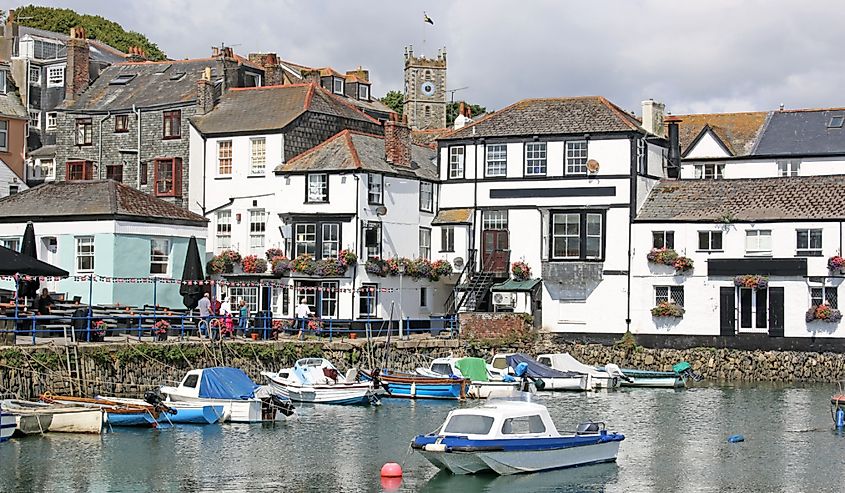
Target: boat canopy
[
  {"x": 537, "y": 370},
  {"x": 473, "y": 368},
  {"x": 565, "y": 362},
  {"x": 226, "y": 383}
]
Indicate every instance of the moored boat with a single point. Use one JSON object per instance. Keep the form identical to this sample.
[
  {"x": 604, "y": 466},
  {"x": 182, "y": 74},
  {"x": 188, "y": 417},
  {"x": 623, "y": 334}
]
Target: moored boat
[
  {"x": 38, "y": 417},
  {"x": 117, "y": 414},
  {"x": 610, "y": 377},
  {"x": 482, "y": 383},
  {"x": 652, "y": 379},
  {"x": 7, "y": 424},
  {"x": 415, "y": 386},
  {"x": 316, "y": 380},
  {"x": 181, "y": 412},
  {"x": 551, "y": 379},
  {"x": 510, "y": 437}
]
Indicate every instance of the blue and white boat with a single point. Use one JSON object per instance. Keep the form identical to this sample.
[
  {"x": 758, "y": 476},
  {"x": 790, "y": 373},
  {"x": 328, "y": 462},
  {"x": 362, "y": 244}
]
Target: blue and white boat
[
  {"x": 179, "y": 412},
  {"x": 415, "y": 386},
  {"x": 510, "y": 437},
  {"x": 7, "y": 424},
  {"x": 317, "y": 381}
]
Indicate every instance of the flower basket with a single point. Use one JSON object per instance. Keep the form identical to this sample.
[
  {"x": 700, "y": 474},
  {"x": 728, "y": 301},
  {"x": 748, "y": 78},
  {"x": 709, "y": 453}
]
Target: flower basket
[
  {"x": 682, "y": 264},
  {"x": 303, "y": 264},
  {"x": 315, "y": 325},
  {"x": 668, "y": 309},
  {"x": 752, "y": 281},
  {"x": 418, "y": 268},
  {"x": 835, "y": 263},
  {"x": 280, "y": 265},
  {"x": 521, "y": 271},
  {"x": 441, "y": 268},
  {"x": 347, "y": 257},
  {"x": 252, "y": 264},
  {"x": 662, "y": 256},
  {"x": 272, "y": 253},
  {"x": 224, "y": 262},
  {"x": 823, "y": 312},
  {"x": 160, "y": 329}
]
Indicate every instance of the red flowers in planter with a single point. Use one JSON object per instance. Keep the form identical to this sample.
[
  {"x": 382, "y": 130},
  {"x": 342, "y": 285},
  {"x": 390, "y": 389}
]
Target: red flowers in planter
[
  {"x": 835, "y": 263},
  {"x": 668, "y": 256},
  {"x": 252, "y": 264},
  {"x": 751, "y": 281},
  {"x": 521, "y": 271},
  {"x": 823, "y": 312},
  {"x": 668, "y": 309}
]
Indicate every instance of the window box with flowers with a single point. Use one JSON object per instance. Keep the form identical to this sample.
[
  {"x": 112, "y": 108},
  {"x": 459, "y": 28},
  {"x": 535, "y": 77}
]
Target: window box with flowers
[
  {"x": 418, "y": 268},
  {"x": 224, "y": 262},
  {"x": 835, "y": 263},
  {"x": 272, "y": 253},
  {"x": 160, "y": 329},
  {"x": 823, "y": 312},
  {"x": 280, "y": 265},
  {"x": 520, "y": 271},
  {"x": 347, "y": 257},
  {"x": 668, "y": 256},
  {"x": 327, "y": 267},
  {"x": 253, "y": 264},
  {"x": 752, "y": 281},
  {"x": 668, "y": 309}
]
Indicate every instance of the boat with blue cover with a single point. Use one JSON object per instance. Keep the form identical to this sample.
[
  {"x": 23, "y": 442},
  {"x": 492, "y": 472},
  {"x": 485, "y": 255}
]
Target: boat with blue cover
[
  {"x": 511, "y": 437},
  {"x": 544, "y": 377},
  {"x": 415, "y": 386}
]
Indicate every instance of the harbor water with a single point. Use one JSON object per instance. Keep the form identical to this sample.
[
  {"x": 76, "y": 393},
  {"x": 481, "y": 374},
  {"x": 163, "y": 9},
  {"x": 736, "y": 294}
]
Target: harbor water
[{"x": 676, "y": 440}]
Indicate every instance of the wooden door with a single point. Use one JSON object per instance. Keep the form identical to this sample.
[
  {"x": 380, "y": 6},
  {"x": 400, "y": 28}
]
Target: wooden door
[
  {"x": 776, "y": 299},
  {"x": 496, "y": 253},
  {"x": 727, "y": 311}
]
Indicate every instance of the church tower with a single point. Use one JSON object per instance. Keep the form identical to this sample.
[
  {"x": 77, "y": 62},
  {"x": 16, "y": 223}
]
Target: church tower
[{"x": 425, "y": 90}]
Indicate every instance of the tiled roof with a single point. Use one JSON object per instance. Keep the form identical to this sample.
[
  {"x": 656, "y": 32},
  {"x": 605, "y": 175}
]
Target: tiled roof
[
  {"x": 349, "y": 150},
  {"x": 802, "y": 132},
  {"x": 44, "y": 151},
  {"x": 551, "y": 116},
  {"x": 258, "y": 109},
  {"x": 746, "y": 200},
  {"x": 75, "y": 200},
  {"x": 453, "y": 216},
  {"x": 10, "y": 103},
  {"x": 428, "y": 137},
  {"x": 738, "y": 131}
]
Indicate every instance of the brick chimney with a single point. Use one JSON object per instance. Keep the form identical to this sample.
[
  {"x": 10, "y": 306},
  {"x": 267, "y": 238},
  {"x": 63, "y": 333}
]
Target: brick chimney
[
  {"x": 312, "y": 76},
  {"x": 653, "y": 114},
  {"x": 205, "y": 93},
  {"x": 273, "y": 74},
  {"x": 136, "y": 54},
  {"x": 397, "y": 143},
  {"x": 7, "y": 42},
  {"x": 77, "y": 76}
]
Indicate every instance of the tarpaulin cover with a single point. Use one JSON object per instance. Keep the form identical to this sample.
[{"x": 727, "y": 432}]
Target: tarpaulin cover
[
  {"x": 473, "y": 368},
  {"x": 226, "y": 383},
  {"x": 537, "y": 370}
]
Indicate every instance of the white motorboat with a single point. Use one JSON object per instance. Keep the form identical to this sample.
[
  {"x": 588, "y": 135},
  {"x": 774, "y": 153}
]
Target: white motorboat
[
  {"x": 510, "y": 437},
  {"x": 551, "y": 379},
  {"x": 243, "y": 400},
  {"x": 38, "y": 417},
  {"x": 608, "y": 378},
  {"x": 7, "y": 424},
  {"x": 317, "y": 381},
  {"x": 484, "y": 384}
]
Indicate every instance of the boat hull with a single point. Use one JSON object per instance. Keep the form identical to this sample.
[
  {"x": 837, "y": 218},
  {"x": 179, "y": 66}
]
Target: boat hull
[
  {"x": 419, "y": 387},
  {"x": 234, "y": 411},
  {"x": 339, "y": 394},
  {"x": 492, "y": 390},
  {"x": 186, "y": 413},
  {"x": 569, "y": 383},
  {"x": 7, "y": 425},
  {"x": 139, "y": 418},
  {"x": 655, "y": 382}
]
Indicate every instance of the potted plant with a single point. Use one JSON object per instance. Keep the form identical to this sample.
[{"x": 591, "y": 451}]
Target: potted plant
[
  {"x": 224, "y": 262},
  {"x": 668, "y": 309},
  {"x": 272, "y": 253},
  {"x": 99, "y": 334},
  {"x": 252, "y": 264},
  {"x": 662, "y": 256},
  {"x": 521, "y": 271},
  {"x": 160, "y": 329},
  {"x": 280, "y": 265},
  {"x": 682, "y": 264},
  {"x": 347, "y": 257},
  {"x": 752, "y": 281},
  {"x": 835, "y": 263},
  {"x": 823, "y": 312}
]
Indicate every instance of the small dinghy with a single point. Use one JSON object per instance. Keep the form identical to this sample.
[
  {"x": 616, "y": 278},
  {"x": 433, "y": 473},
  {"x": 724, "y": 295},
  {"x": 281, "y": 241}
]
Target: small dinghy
[
  {"x": 117, "y": 414},
  {"x": 610, "y": 377},
  {"x": 176, "y": 412},
  {"x": 511, "y": 437},
  {"x": 38, "y": 417},
  {"x": 483, "y": 384},
  {"x": 7, "y": 424},
  {"x": 415, "y": 386},
  {"x": 317, "y": 381}
]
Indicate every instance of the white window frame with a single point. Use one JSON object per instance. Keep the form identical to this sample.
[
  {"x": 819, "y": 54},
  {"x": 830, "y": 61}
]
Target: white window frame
[
  {"x": 536, "y": 159},
  {"x": 338, "y": 85},
  {"x": 329, "y": 299},
  {"x": 426, "y": 196},
  {"x": 368, "y": 291},
  {"x": 565, "y": 236},
  {"x": 576, "y": 157},
  {"x": 363, "y": 92},
  {"x": 56, "y": 75},
  {"x": 84, "y": 250},
  {"x": 35, "y": 69},
  {"x": 225, "y": 145},
  {"x": 457, "y": 158},
  {"x": 756, "y": 244},
  {"x": 809, "y": 250},
  {"x": 305, "y": 235},
  {"x": 710, "y": 235},
  {"x": 3, "y": 82},
  {"x": 249, "y": 294},
  {"x": 447, "y": 239},
  {"x": 159, "y": 256},
  {"x": 4, "y": 135},
  {"x": 375, "y": 189},
  {"x": 317, "y": 188},
  {"x": 496, "y": 161},
  {"x": 671, "y": 293},
  {"x": 36, "y": 123},
  {"x": 826, "y": 294},
  {"x": 257, "y": 231},
  {"x": 592, "y": 234},
  {"x": 52, "y": 120},
  {"x": 51, "y": 173},
  {"x": 425, "y": 243},
  {"x": 789, "y": 167},
  {"x": 494, "y": 220},
  {"x": 710, "y": 171},
  {"x": 13, "y": 243},
  {"x": 329, "y": 248},
  {"x": 257, "y": 155},
  {"x": 223, "y": 230}
]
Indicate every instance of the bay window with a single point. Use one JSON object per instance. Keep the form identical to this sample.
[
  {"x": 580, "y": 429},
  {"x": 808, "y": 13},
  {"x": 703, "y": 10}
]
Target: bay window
[{"x": 577, "y": 235}]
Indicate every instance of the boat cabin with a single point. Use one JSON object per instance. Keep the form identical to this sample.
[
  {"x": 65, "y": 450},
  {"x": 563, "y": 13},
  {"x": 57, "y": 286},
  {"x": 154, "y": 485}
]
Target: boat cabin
[
  {"x": 313, "y": 371},
  {"x": 499, "y": 364},
  {"x": 502, "y": 420}
]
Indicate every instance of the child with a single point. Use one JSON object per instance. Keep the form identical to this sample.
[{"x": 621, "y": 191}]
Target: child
[{"x": 243, "y": 319}]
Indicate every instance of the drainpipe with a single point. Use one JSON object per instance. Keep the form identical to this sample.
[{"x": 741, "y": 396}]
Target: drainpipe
[
  {"x": 204, "y": 168},
  {"x": 100, "y": 145},
  {"x": 474, "y": 200},
  {"x": 357, "y": 224},
  {"x": 137, "y": 113}
]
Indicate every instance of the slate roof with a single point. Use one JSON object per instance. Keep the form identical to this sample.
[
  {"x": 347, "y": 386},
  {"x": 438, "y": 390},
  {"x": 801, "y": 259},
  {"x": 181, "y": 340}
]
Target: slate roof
[
  {"x": 10, "y": 103},
  {"x": 574, "y": 115},
  {"x": 76, "y": 200},
  {"x": 738, "y": 131},
  {"x": 746, "y": 200},
  {"x": 352, "y": 151},
  {"x": 98, "y": 51},
  {"x": 802, "y": 132},
  {"x": 257, "y": 109},
  {"x": 428, "y": 137},
  {"x": 452, "y": 216},
  {"x": 44, "y": 151}
]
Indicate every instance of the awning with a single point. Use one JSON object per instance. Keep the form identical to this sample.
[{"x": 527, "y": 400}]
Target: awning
[
  {"x": 514, "y": 285},
  {"x": 452, "y": 216},
  {"x": 12, "y": 262}
]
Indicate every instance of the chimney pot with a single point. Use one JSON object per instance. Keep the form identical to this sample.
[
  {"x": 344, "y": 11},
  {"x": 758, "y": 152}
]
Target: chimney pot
[
  {"x": 653, "y": 117},
  {"x": 397, "y": 143}
]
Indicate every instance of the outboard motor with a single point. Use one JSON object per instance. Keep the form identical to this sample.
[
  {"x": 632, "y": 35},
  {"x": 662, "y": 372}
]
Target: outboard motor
[
  {"x": 283, "y": 405},
  {"x": 615, "y": 371},
  {"x": 685, "y": 371},
  {"x": 153, "y": 398}
]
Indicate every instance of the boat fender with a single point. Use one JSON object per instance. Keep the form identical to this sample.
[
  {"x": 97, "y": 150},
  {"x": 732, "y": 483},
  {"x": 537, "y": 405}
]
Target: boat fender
[
  {"x": 736, "y": 439},
  {"x": 435, "y": 447},
  {"x": 520, "y": 369},
  {"x": 539, "y": 384},
  {"x": 508, "y": 378}
]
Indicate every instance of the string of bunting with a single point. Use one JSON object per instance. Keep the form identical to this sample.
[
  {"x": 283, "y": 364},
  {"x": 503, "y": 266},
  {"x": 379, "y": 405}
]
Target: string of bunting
[{"x": 215, "y": 282}]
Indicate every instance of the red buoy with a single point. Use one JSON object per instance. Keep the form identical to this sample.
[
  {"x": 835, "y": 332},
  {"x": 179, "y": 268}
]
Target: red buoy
[{"x": 391, "y": 470}]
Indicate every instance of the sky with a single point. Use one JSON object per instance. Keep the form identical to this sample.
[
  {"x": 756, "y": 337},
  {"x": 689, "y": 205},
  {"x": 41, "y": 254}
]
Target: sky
[{"x": 696, "y": 56}]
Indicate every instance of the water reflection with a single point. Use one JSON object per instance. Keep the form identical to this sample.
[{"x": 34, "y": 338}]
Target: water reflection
[{"x": 587, "y": 479}]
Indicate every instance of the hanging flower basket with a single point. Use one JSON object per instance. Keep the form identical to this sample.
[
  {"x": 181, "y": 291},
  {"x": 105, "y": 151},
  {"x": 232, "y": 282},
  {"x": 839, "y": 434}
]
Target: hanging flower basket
[
  {"x": 347, "y": 258},
  {"x": 668, "y": 309},
  {"x": 835, "y": 263},
  {"x": 823, "y": 312},
  {"x": 224, "y": 262},
  {"x": 272, "y": 253},
  {"x": 441, "y": 268},
  {"x": 252, "y": 264},
  {"x": 668, "y": 256},
  {"x": 682, "y": 264},
  {"x": 280, "y": 265},
  {"x": 520, "y": 271},
  {"x": 418, "y": 268},
  {"x": 752, "y": 281}
]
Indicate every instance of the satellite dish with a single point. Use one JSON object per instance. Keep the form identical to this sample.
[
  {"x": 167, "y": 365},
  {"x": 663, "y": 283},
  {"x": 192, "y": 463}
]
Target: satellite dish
[
  {"x": 459, "y": 262},
  {"x": 592, "y": 166},
  {"x": 381, "y": 210}
]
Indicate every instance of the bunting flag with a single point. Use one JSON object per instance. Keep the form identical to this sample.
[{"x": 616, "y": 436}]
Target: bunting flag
[{"x": 427, "y": 19}]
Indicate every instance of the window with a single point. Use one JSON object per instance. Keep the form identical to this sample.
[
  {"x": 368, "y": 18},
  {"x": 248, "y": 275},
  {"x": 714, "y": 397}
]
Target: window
[
  {"x": 172, "y": 124},
  {"x": 427, "y": 110},
  {"x": 224, "y": 157},
  {"x": 642, "y": 162},
  {"x": 375, "y": 189},
  {"x": 224, "y": 230},
  {"x": 114, "y": 172},
  {"x": 758, "y": 242},
  {"x": 447, "y": 239},
  {"x": 51, "y": 120},
  {"x": 669, "y": 294},
  {"x": 85, "y": 254},
  {"x": 11, "y": 243},
  {"x": 328, "y": 299},
  {"x": 577, "y": 235},
  {"x": 710, "y": 171},
  {"x": 836, "y": 121},
  {"x": 159, "y": 256},
  {"x": 372, "y": 240},
  {"x": 469, "y": 424},
  {"x": 143, "y": 171},
  {"x": 248, "y": 294},
  {"x": 663, "y": 239},
  {"x": 121, "y": 123},
  {"x": 2, "y": 82},
  {"x": 535, "y": 158},
  {"x": 426, "y": 196},
  {"x": 523, "y": 425},
  {"x": 258, "y": 155},
  {"x": 79, "y": 170},
  {"x": 363, "y": 92},
  {"x": 4, "y": 135},
  {"x": 809, "y": 242},
  {"x": 35, "y": 119},
  {"x": 13, "y": 189},
  {"x": 84, "y": 131},
  {"x": 35, "y": 75},
  {"x": 337, "y": 87},
  {"x": 306, "y": 239},
  {"x": 576, "y": 158},
  {"x": 56, "y": 76},
  {"x": 497, "y": 160},
  {"x": 257, "y": 229},
  {"x": 423, "y": 297},
  {"x": 368, "y": 300},
  {"x": 46, "y": 50},
  {"x": 48, "y": 168},
  {"x": 425, "y": 243},
  {"x": 824, "y": 294},
  {"x": 168, "y": 177},
  {"x": 122, "y": 79},
  {"x": 710, "y": 240},
  {"x": 456, "y": 162},
  {"x": 330, "y": 239},
  {"x": 789, "y": 168},
  {"x": 318, "y": 187},
  {"x": 191, "y": 381}
]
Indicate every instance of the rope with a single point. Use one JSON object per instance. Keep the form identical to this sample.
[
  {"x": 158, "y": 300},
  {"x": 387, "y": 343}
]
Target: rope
[{"x": 96, "y": 381}]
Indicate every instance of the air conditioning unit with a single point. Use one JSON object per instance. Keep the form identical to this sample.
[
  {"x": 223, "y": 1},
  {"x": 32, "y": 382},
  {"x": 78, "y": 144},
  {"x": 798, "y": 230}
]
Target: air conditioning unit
[{"x": 503, "y": 299}]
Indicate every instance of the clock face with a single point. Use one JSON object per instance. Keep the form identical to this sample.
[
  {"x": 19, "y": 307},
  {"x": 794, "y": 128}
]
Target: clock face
[{"x": 427, "y": 88}]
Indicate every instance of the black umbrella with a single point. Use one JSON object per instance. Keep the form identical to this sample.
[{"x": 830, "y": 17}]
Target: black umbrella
[
  {"x": 12, "y": 262},
  {"x": 192, "y": 293},
  {"x": 29, "y": 289}
]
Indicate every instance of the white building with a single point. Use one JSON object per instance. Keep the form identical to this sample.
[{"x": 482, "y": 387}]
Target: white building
[{"x": 554, "y": 183}]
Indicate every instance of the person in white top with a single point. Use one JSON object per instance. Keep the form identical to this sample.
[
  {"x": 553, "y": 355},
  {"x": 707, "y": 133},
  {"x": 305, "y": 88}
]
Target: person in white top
[
  {"x": 303, "y": 311},
  {"x": 226, "y": 313}
]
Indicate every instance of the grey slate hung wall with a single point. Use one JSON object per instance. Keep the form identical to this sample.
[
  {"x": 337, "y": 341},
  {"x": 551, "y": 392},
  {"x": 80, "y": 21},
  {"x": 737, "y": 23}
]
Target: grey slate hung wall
[{"x": 311, "y": 129}]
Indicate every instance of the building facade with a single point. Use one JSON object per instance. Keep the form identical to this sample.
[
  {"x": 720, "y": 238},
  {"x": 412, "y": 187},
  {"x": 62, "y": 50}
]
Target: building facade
[{"x": 13, "y": 128}]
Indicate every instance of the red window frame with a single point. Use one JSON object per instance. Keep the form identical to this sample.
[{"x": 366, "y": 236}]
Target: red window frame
[
  {"x": 114, "y": 172},
  {"x": 167, "y": 173},
  {"x": 175, "y": 119},
  {"x": 86, "y": 172}
]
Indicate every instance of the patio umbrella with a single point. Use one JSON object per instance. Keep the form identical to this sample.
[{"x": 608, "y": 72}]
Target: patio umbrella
[
  {"x": 191, "y": 293},
  {"x": 29, "y": 289},
  {"x": 12, "y": 262}
]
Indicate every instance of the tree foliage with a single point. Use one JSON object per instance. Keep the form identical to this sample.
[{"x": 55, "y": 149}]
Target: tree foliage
[
  {"x": 96, "y": 27},
  {"x": 393, "y": 100},
  {"x": 452, "y": 111}
]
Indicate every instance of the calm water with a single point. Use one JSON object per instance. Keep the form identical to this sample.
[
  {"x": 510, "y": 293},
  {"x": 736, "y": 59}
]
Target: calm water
[{"x": 676, "y": 441}]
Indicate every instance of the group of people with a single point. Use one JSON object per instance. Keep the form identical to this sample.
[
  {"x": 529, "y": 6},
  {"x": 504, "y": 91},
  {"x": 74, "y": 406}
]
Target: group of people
[{"x": 213, "y": 308}]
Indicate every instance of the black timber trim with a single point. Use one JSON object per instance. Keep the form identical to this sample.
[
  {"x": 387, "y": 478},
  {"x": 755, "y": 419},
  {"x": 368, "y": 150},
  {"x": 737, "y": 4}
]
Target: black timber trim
[
  {"x": 784, "y": 267},
  {"x": 316, "y": 217},
  {"x": 624, "y": 134},
  {"x": 505, "y": 179},
  {"x": 527, "y": 193}
]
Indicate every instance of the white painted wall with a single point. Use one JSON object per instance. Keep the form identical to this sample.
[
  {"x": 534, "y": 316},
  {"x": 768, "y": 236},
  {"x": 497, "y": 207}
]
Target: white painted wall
[
  {"x": 7, "y": 178},
  {"x": 707, "y": 147},
  {"x": 768, "y": 168}
]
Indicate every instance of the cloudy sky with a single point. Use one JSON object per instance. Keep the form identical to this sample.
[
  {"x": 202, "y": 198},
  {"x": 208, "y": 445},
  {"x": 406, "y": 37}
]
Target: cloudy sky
[{"x": 694, "y": 55}]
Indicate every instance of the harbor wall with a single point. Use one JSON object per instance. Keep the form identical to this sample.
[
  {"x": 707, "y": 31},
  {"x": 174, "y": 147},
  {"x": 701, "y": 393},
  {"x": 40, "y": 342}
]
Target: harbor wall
[{"x": 129, "y": 369}]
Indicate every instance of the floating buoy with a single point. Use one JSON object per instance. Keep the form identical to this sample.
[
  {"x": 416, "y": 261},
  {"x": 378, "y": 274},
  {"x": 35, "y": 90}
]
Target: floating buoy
[
  {"x": 391, "y": 470},
  {"x": 736, "y": 438}
]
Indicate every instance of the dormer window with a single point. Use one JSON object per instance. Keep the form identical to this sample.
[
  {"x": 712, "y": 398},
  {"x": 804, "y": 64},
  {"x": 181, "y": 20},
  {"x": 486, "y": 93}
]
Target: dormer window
[
  {"x": 363, "y": 92},
  {"x": 836, "y": 121},
  {"x": 337, "y": 86}
]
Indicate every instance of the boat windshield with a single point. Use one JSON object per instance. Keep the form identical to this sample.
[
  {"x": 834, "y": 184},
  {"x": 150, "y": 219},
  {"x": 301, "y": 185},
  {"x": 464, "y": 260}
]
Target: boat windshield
[
  {"x": 500, "y": 363},
  {"x": 523, "y": 425},
  {"x": 469, "y": 424},
  {"x": 441, "y": 368}
]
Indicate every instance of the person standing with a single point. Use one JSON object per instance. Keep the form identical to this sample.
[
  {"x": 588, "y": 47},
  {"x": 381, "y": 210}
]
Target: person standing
[
  {"x": 243, "y": 317},
  {"x": 44, "y": 303},
  {"x": 226, "y": 313},
  {"x": 303, "y": 312},
  {"x": 204, "y": 306}
]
